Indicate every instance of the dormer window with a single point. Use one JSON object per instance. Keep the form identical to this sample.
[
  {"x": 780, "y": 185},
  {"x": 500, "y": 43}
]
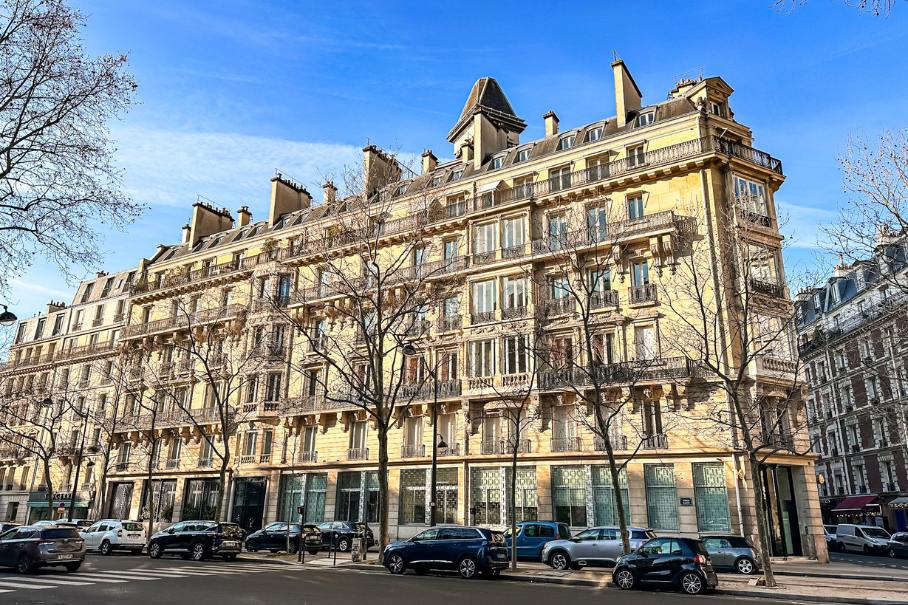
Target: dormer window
[
  {"x": 717, "y": 108},
  {"x": 497, "y": 162},
  {"x": 436, "y": 181},
  {"x": 594, "y": 134},
  {"x": 645, "y": 119},
  {"x": 566, "y": 142},
  {"x": 400, "y": 189},
  {"x": 456, "y": 174},
  {"x": 522, "y": 155}
]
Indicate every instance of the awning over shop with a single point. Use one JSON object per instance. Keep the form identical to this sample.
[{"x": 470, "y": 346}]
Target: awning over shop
[
  {"x": 854, "y": 504},
  {"x": 900, "y": 502}
]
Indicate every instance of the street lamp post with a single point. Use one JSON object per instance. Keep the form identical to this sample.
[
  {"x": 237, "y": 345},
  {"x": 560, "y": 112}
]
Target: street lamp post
[
  {"x": 7, "y": 318},
  {"x": 409, "y": 349}
]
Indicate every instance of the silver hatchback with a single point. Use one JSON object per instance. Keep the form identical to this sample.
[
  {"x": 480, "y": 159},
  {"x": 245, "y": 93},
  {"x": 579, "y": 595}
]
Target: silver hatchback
[
  {"x": 732, "y": 552},
  {"x": 593, "y": 546}
]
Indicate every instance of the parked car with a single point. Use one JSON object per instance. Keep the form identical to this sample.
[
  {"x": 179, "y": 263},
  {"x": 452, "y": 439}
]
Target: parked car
[
  {"x": 532, "y": 536},
  {"x": 29, "y": 547},
  {"x": 898, "y": 545},
  {"x": 273, "y": 537},
  {"x": 680, "y": 563},
  {"x": 341, "y": 533},
  {"x": 832, "y": 544},
  {"x": 469, "y": 550},
  {"x": 732, "y": 552},
  {"x": 593, "y": 546},
  {"x": 5, "y": 527},
  {"x": 78, "y": 523},
  {"x": 198, "y": 540},
  {"x": 109, "y": 535},
  {"x": 862, "y": 538}
]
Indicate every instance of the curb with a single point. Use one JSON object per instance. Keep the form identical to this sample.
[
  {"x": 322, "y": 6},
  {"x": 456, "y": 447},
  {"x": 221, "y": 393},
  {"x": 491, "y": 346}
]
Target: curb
[
  {"x": 806, "y": 574},
  {"x": 737, "y": 592}
]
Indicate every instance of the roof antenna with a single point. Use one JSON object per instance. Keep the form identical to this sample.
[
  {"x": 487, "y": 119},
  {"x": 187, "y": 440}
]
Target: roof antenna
[{"x": 615, "y": 55}]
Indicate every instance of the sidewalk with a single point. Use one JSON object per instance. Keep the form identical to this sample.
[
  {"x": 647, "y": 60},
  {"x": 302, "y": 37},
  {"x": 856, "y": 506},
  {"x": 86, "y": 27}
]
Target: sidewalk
[{"x": 829, "y": 583}]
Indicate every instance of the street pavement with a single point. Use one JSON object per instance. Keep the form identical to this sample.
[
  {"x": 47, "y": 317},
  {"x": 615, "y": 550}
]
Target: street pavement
[
  {"x": 869, "y": 560},
  {"x": 128, "y": 580}
]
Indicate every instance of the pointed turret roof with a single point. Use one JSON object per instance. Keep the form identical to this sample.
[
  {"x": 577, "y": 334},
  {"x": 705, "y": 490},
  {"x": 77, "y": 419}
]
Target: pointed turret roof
[{"x": 487, "y": 97}]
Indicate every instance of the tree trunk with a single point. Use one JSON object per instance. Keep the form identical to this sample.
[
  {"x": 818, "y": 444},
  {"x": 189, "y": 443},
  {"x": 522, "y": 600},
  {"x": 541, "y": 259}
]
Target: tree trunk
[
  {"x": 221, "y": 510},
  {"x": 615, "y": 476},
  {"x": 49, "y": 486},
  {"x": 101, "y": 491},
  {"x": 756, "y": 480},
  {"x": 150, "y": 487},
  {"x": 382, "y": 490}
]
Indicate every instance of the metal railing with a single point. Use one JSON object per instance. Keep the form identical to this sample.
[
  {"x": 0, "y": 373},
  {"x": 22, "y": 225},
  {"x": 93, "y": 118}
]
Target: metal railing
[
  {"x": 412, "y": 451},
  {"x": 656, "y": 441},
  {"x": 606, "y": 298},
  {"x": 186, "y": 276},
  {"x": 567, "y": 444},
  {"x": 311, "y": 456},
  {"x": 646, "y": 293},
  {"x": 183, "y": 321},
  {"x": 504, "y": 446},
  {"x": 768, "y": 288},
  {"x": 358, "y": 453},
  {"x": 658, "y": 368},
  {"x": 451, "y": 450},
  {"x": 619, "y": 443}
]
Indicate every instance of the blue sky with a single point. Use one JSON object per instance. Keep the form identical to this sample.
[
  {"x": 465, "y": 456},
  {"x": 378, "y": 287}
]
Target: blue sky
[{"x": 232, "y": 90}]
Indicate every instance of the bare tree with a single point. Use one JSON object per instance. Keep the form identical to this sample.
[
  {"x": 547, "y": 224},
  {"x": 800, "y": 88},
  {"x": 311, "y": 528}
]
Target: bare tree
[
  {"x": 363, "y": 299},
  {"x": 577, "y": 301},
  {"x": 729, "y": 315},
  {"x": 877, "y": 8},
  {"x": 32, "y": 426},
  {"x": 57, "y": 176}
]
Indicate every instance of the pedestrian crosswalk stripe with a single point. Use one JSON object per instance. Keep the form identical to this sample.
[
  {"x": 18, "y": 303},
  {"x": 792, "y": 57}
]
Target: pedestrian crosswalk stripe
[
  {"x": 31, "y": 586},
  {"x": 97, "y": 578},
  {"x": 201, "y": 571},
  {"x": 126, "y": 575},
  {"x": 68, "y": 581}
]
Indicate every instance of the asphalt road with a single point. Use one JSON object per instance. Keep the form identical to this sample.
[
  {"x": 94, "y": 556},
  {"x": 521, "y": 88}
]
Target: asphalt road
[
  {"x": 138, "y": 580},
  {"x": 868, "y": 560}
]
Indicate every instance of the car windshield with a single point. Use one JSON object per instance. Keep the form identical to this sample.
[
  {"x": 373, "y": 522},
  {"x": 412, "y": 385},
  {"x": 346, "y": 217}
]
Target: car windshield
[
  {"x": 59, "y": 533},
  {"x": 640, "y": 534},
  {"x": 875, "y": 532},
  {"x": 132, "y": 526}
]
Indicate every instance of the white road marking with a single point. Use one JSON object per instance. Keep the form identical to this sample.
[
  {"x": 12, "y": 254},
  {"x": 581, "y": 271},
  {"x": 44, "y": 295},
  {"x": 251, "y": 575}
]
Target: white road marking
[
  {"x": 31, "y": 586},
  {"x": 61, "y": 581}
]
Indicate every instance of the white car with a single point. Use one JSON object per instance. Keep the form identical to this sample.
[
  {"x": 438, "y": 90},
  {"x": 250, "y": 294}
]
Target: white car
[{"x": 109, "y": 535}]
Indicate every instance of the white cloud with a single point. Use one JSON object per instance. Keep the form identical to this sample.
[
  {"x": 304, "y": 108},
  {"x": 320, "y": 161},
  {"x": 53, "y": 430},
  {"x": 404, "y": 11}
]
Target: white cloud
[
  {"x": 170, "y": 168},
  {"x": 20, "y": 285},
  {"x": 803, "y": 225}
]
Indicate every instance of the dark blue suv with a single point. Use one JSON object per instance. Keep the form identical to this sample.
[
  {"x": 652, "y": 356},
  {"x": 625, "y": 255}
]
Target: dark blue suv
[
  {"x": 469, "y": 550},
  {"x": 532, "y": 536}
]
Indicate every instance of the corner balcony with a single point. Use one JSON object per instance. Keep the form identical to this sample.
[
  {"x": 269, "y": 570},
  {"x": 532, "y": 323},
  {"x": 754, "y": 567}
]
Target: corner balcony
[
  {"x": 767, "y": 288},
  {"x": 774, "y": 368},
  {"x": 182, "y": 322}
]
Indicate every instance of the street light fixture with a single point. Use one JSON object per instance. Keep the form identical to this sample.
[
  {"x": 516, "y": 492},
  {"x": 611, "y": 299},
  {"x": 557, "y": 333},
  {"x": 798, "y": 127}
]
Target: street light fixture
[
  {"x": 7, "y": 318},
  {"x": 438, "y": 442}
]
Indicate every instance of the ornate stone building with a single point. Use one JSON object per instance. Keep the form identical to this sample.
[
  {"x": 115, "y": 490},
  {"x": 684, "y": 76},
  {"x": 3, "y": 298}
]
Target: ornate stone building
[{"x": 639, "y": 185}]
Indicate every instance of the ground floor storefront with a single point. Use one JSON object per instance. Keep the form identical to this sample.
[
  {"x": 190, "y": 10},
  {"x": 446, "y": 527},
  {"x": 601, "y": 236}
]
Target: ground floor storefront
[{"x": 675, "y": 495}]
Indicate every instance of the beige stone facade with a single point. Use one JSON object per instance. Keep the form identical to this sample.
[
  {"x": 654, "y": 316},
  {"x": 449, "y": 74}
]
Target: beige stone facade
[{"x": 655, "y": 171}]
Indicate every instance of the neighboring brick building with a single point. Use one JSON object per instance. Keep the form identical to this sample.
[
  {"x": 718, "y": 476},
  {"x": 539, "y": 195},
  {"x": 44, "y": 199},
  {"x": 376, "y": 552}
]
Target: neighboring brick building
[{"x": 851, "y": 339}]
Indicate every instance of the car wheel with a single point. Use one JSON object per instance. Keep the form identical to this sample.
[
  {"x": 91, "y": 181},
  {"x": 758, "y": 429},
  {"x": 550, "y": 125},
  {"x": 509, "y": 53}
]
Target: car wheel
[
  {"x": 396, "y": 564},
  {"x": 155, "y": 551},
  {"x": 73, "y": 567},
  {"x": 251, "y": 548},
  {"x": 230, "y": 557},
  {"x": 559, "y": 560},
  {"x": 745, "y": 566},
  {"x": 467, "y": 568},
  {"x": 624, "y": 579},
  {"x": 293, "y": 548},
  {"x": 104, "y": 549},
  {"x": 343, "y": 545},
  {"x": 692, "y": 583},
  {"x": 197, "y": 552},
  {"x": 24, "y": 564}
]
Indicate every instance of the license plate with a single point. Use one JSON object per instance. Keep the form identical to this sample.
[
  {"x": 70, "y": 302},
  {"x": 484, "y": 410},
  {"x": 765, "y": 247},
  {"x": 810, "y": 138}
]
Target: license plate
[
  {"x": 229, "y": 543},
  {"x": 64, "y": 557},
  {"x": 499, "y": 556},
  {"x": 133, "y": 535}
]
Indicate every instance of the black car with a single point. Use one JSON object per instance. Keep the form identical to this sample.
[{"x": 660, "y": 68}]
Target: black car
[
  {"x": 198, "y": 540},
  {"x": 6, "y": 526},
  {"x": 340, "y": 534},
  {"x": 469, "y": 550},
  {"x": 273, "y": 537},
  {"x": 667, "y": 562},
  {"x": 898, "y": 545},
  {"x": 30, "y": 547}
]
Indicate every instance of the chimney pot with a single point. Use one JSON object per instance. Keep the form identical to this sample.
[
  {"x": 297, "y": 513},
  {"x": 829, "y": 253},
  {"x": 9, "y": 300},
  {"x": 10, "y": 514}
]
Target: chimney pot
[
  {"x": 186, "y": 231},
  {"x": 429, "y": 161},
  {"x": 330, "y": 192},
  {"x": 551, "y": 123},
  {"x": 244, "y": 216}
]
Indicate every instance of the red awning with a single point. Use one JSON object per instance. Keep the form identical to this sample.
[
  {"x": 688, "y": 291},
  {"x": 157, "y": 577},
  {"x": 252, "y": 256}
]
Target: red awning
[{"x": 854, "y": 503}]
